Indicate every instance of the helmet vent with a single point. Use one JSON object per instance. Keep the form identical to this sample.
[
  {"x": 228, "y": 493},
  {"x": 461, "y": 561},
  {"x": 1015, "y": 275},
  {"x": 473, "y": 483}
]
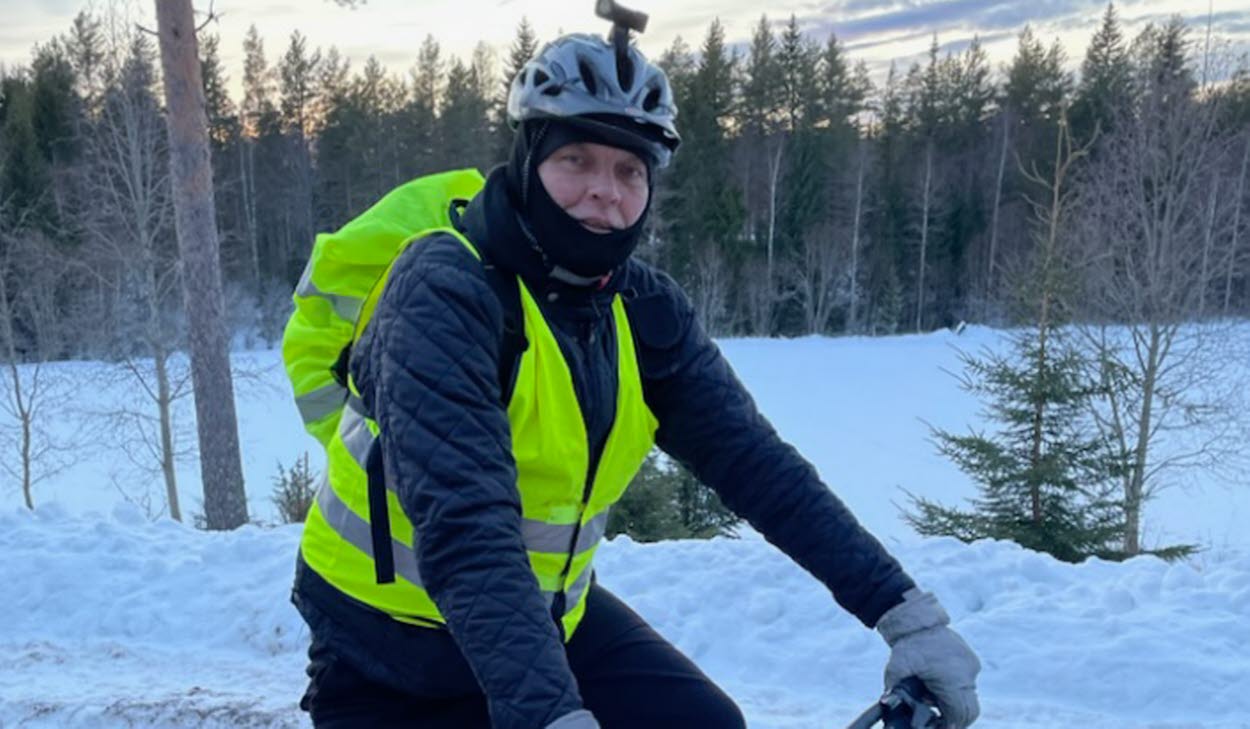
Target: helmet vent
[
  {"x": 651, "y": 100},
  {"x": 539, "y": 77},
  {"x": 588, "y": 76}
]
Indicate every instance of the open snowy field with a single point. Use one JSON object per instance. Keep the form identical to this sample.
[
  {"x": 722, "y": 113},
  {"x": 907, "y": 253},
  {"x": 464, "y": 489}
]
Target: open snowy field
[{"x": 113, "y": 620}]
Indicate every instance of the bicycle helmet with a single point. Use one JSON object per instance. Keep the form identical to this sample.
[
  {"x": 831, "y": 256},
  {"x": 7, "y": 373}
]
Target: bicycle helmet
[{"x": 582, "y": 79}]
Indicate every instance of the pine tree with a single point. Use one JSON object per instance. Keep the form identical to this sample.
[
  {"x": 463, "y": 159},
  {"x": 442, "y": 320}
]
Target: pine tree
[
  {"x": 1106, "y": 80},
  {"x": 373, "y": 102},
  {"x": 929, "y": 109},
  {"x": 224, "y": 147},
  {"x": 890, "y": 211},
  {"x": 222, "y": 119},
  {"x": 84, "y": 44},
  {"x": 1037, "y": 84},
  {"x": 258, "y": 83},
  {"x": 297, "y": 75},
  {"x": 700, "y": 207},
  {"x": 524, "y": 47},
  {"x": 24, "y": 171},
  {"x": 665, "y": 501},
  {"x": 420, "y": 114},
  {"x": 1043, "y": 481},
  {"x": 757, "y": 112},
  {"x": 336, "y": 164},
  {"x": 1035, "y": 92},
  {"x": 258, "y": 119},
  {"x": 762, "y": 119},
  {"x": 464, "y": 124},
  {"x": 1159, "y": 57}
]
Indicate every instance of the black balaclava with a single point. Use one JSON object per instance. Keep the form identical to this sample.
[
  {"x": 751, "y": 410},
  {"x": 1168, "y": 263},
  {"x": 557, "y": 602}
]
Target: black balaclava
[{"x": 566, "y": 246}]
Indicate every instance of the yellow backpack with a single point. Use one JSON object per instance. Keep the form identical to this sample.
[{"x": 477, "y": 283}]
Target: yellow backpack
[{"x": 341, "y": 283}]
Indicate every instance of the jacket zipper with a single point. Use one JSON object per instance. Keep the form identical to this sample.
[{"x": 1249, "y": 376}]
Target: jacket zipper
[
  {"x": 557, "y": 606},
  {"x": 558, "y": 602}
]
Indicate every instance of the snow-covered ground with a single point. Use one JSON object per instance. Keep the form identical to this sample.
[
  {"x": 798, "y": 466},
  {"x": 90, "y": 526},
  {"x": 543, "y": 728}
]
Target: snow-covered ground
[{"x": 113, "y": 620}]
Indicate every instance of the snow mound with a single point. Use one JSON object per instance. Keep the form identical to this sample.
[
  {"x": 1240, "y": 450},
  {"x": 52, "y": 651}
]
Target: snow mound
[{"x": 114, "y": 621}]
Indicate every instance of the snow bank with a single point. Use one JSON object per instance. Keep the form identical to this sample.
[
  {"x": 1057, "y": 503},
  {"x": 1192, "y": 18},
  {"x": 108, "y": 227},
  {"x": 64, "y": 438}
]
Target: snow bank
[{"x": 113, "y": 621}]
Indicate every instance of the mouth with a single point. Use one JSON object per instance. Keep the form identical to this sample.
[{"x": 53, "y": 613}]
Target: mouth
[{"x": 596, "y": 225}]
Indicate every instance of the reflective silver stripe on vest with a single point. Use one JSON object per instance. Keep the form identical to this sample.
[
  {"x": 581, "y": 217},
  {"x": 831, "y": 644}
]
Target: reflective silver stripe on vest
[
  {"x": 539, "y": 536},
  {"x": 354, "y": 429},
  {"x": 355, "y": 530},
  {"x": 579, "y": 586},
  {"x": 315, "y": 405},
  {"x": 543, "y": 537},
  {"x": 346, "y": 307}
]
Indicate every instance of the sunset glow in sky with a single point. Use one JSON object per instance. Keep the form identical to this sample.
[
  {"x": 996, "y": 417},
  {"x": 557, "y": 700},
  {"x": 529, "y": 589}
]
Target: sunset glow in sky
[{"x": 877, "y": 31}]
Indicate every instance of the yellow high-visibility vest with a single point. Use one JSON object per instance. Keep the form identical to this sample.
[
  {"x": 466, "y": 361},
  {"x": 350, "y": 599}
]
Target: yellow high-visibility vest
[{"x": 562, "y": 522}]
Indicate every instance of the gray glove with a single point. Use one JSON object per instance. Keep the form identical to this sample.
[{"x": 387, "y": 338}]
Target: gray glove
[
  {"x": 923, "y": 646},
  {"x": 580, "y": 719}
]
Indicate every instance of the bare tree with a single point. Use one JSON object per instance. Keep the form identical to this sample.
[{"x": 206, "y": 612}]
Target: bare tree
[
  {"x": 127, "y": 221},
  {"x": 31, "y": 387},
  {"x": 225, "y": 502},
  {"x": 1143, "y": 222},
  {"x": 759, "y": 297},
  {"x": 818, "y": 273},
  {"x": 711, "y": 289}
]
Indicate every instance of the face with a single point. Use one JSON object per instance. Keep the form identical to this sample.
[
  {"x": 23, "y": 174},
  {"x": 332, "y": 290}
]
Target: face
[{"x": 603, "y": 188}]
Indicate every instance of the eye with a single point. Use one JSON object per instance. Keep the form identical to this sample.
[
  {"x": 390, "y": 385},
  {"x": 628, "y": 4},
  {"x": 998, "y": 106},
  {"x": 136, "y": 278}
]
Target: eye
[{"x": 634, "y": 172}]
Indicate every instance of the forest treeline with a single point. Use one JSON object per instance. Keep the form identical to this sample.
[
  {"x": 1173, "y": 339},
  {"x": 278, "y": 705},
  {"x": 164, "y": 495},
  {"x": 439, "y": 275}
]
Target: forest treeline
[{"x": 806, "y": 199}]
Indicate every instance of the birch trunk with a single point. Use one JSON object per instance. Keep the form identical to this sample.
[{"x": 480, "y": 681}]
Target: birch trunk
[
  {"x": 1232, "y": 252},
  {"x": 998, "y": 201},
  {"x": 924, "y": 234},
  {"x": 852, "y": 318}
]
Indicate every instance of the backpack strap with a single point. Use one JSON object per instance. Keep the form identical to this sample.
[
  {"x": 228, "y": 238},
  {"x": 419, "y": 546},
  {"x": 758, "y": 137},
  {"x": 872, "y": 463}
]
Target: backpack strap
[{"x": 513, "y": 343}]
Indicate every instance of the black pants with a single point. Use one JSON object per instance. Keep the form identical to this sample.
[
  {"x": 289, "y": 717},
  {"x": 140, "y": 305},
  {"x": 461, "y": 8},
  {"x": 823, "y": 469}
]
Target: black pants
[{"x": 629, "y": 677}]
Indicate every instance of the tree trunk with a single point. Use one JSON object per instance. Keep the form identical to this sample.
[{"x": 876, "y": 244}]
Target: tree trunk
[
  {"x": 852, "y": 318},
  {"x": 225, "y": 502},
  {"x": 247, "y": 174},
  {"x": 924, "y": 234},
  {"x": 20, "y": 403},
  {"x": 27, "y": 481},
  {"x": 773, "y": 174},
  {"x": 1232, "y": 252},
  {"x": 998, "y": 201},
  {"x": 1134, "y": 496},
  {"x": 164, "y": 404},
  {"x": 1208, "y": 239}
]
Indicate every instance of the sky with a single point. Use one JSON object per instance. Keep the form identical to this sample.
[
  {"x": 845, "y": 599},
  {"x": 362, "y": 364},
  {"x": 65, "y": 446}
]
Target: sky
[{"x": 877, "y": 31}]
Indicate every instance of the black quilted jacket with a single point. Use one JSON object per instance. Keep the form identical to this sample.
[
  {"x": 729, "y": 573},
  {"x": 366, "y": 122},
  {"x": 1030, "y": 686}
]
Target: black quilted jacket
[{"x": 427, "y": 368}]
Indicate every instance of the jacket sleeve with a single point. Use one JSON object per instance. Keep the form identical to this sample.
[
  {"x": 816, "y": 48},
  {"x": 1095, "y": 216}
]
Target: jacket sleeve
[
  {"x": 710, "y": 424},
  {"x": 427, "y": 369}
]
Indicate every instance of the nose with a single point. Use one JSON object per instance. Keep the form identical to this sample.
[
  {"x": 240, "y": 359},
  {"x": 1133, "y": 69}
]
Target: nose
[{"x": 604, "y": 186}]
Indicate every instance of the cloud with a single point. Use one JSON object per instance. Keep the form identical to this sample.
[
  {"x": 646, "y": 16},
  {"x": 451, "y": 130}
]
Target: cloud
[{"x": 939, "y": 15}]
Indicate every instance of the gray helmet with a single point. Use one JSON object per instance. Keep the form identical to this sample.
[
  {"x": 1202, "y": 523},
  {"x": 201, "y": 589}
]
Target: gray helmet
[{"x": 577, "y": 78}]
